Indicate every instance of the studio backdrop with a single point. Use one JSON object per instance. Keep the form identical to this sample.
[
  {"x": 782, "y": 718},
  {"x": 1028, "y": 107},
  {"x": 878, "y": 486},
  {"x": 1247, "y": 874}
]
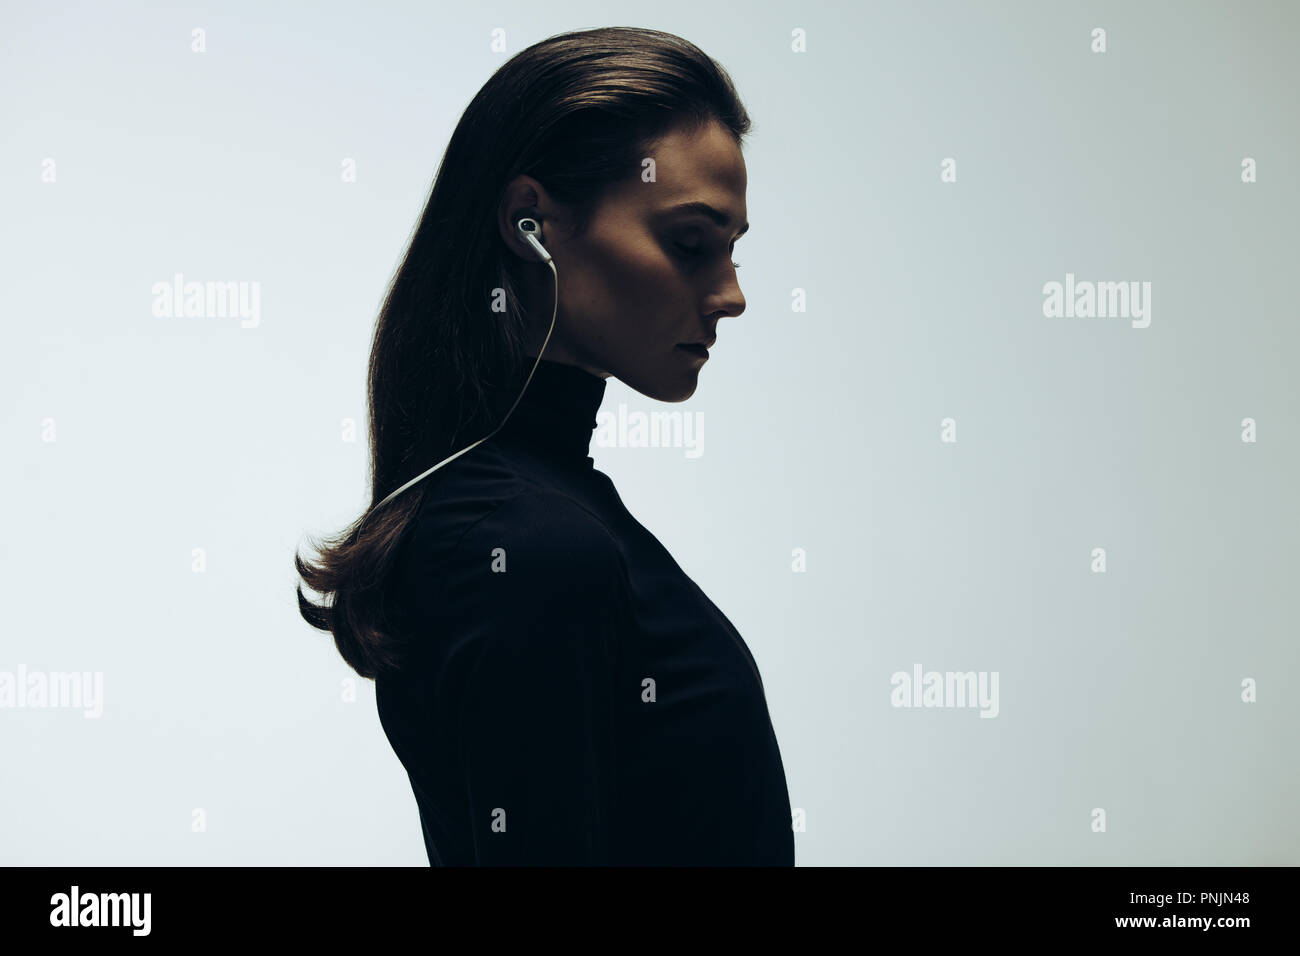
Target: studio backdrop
[{"x": 996, "y": 473}]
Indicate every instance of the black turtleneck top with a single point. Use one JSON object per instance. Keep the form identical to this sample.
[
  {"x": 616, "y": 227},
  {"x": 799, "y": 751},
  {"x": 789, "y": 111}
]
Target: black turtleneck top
[{"x": 573, "y": 697}]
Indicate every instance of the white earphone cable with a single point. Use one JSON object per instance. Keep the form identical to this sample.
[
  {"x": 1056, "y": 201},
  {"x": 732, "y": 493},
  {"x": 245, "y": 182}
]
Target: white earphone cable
[{"x": 554, "y": 311}]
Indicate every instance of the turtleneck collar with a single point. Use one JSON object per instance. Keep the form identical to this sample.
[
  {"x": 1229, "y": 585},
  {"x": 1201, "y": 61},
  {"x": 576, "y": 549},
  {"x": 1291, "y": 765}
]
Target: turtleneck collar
[{"x": 557, "y": 413}]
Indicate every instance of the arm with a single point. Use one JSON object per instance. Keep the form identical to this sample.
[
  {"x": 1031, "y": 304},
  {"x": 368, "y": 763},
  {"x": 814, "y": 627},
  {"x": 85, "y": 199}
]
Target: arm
[{"x": 543, "y": 617}]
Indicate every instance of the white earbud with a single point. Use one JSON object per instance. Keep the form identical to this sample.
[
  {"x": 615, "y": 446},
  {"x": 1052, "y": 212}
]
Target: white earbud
[{"x": 528, "y": 231}]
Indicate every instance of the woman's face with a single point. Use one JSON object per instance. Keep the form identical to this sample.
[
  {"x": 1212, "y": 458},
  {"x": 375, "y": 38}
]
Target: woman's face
[{"x": 650, "y": 273}]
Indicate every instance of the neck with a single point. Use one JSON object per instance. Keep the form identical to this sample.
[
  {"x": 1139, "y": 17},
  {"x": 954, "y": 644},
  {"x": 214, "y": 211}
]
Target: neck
[{"x": 556, "y": 414}]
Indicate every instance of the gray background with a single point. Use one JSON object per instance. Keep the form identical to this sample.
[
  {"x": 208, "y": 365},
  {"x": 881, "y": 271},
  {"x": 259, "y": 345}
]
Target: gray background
[{"x": 822, "y": 429}]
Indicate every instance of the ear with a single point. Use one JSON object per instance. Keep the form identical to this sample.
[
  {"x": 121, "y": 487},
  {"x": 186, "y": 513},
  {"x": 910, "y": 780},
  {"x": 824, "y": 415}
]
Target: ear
[{"x": 524, "y": 196}]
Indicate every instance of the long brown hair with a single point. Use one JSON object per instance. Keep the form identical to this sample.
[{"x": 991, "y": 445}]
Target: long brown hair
[{"x": 577, "y": 112}]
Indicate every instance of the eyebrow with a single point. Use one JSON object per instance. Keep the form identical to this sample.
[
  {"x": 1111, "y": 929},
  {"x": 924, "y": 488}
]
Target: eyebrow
[{"x": 717, "y": 215}]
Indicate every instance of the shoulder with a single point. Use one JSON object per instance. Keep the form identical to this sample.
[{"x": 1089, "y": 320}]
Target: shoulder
[
  {"x": 532, "y": 539},
  {"x": 538, "y": 543},
  {"x": 541, "y": 523},
  {"x": 475, "y": 493},
  {"x": 537, "y": 584}
]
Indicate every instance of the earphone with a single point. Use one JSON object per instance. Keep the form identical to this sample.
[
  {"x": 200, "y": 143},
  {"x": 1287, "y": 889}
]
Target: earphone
[{"x": 528, "y": 232}]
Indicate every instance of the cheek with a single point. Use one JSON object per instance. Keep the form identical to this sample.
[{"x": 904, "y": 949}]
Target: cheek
[
  {"x": 629, "y": 298},
  {"x": 642, "y": 269},
  {"x": 654, "y": 281}
]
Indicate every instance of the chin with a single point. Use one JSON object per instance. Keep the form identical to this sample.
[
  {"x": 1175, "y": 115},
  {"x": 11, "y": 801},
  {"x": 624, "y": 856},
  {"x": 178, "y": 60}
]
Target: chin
[
  {"x": 681, "y": 390},
  {"x": 671, "y": 386}
]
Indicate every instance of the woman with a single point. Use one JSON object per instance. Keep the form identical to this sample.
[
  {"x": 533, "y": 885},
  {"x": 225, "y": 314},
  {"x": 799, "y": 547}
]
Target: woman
[{"x": 557, "y": 688}]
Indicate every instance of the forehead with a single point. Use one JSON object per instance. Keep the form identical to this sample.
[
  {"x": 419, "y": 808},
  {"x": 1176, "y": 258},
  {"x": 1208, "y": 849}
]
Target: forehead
[{"x": 704, "y": 166}]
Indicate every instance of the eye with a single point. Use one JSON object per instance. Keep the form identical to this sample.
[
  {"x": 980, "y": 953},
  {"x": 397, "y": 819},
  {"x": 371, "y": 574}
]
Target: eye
[{"x": 691, "y": 252}]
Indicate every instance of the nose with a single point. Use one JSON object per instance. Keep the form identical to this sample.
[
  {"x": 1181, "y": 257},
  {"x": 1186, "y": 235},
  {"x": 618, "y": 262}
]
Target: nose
[{"x": 728, "y": 301}]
